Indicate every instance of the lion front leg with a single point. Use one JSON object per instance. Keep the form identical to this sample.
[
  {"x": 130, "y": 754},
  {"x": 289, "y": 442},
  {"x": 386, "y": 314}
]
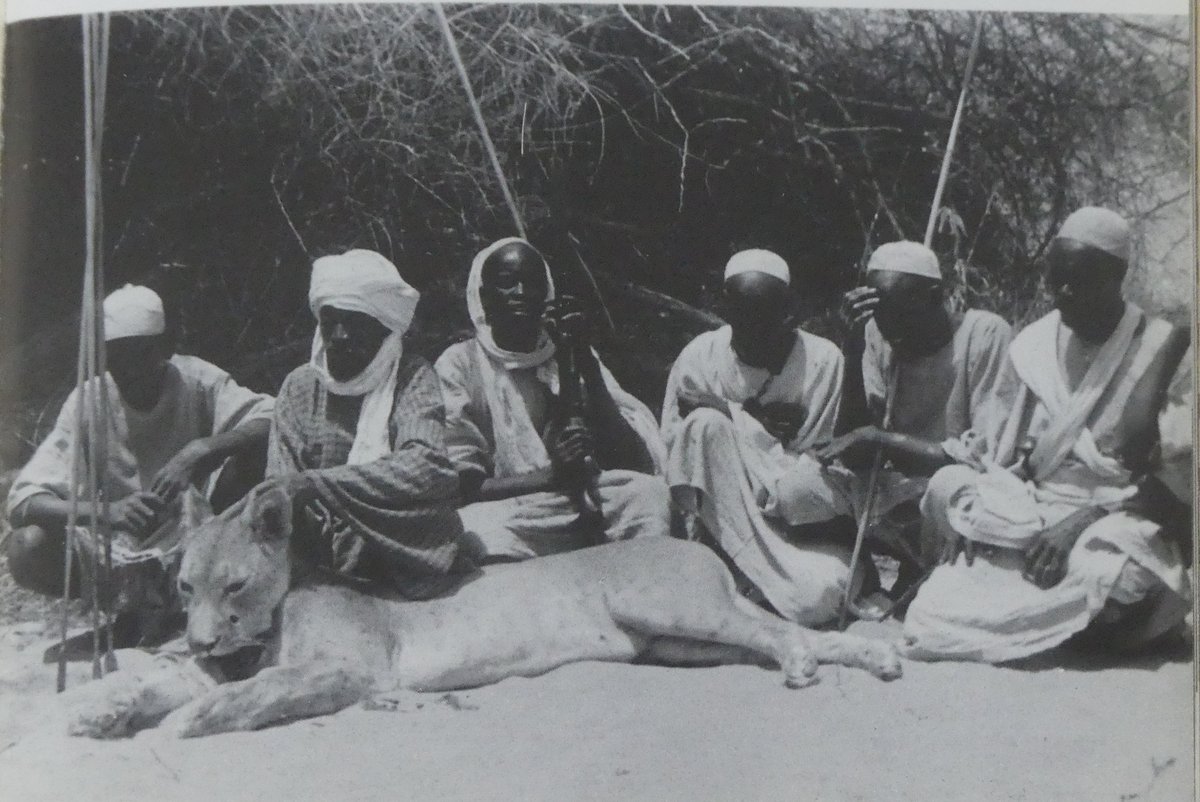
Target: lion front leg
[
  {"x": 273, "y": 696},
  {"x": 125, "y": 702}
]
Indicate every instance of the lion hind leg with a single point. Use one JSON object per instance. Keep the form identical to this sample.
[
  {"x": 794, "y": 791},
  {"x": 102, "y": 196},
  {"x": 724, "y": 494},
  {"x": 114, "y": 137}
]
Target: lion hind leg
[
  {"x": 710, "y": 610},
  {"x": 273, "y": 696},
  {"x": 672, "y": 651},
  {"x": 878, "y": 657}
]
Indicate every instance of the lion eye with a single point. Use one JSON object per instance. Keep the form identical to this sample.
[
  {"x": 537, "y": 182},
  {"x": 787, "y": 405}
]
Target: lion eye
[
  {"x": 184, "y": 587},
  {"x": 235, "y": 587}
]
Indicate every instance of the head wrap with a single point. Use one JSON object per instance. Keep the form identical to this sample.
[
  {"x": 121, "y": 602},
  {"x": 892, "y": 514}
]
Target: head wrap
[
  {"x": 133, "y": 311},
  {"x": 1102, "y": 229},
  {"x": 364, "y": 281},
  {"x": 905, "y": 257},
  {"x": 756, "y": 260},
  {"x": 483, "y": 332}
]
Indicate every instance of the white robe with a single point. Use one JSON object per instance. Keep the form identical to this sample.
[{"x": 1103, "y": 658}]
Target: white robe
[
  {"x": 727, "y": 470},
  {"x": 1084, "y": 438}
]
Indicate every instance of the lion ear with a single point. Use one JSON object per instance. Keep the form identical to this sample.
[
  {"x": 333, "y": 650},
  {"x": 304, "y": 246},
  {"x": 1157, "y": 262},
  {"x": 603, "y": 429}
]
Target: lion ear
[{"x": 271, "y": 514}]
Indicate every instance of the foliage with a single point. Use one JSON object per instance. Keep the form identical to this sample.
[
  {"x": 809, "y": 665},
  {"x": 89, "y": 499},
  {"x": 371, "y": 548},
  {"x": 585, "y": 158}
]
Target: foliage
[{"x": 650, "y": 141}]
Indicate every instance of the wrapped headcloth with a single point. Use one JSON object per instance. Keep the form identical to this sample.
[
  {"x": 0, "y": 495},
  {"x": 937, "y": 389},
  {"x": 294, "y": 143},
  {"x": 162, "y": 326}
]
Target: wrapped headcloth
[
  {"x": 363, "y": 281},
  {"x": 133, "y": 311}
]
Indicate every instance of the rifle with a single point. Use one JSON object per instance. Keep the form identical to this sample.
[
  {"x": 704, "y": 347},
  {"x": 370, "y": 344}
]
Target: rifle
[{"x": 572, "y": 410}]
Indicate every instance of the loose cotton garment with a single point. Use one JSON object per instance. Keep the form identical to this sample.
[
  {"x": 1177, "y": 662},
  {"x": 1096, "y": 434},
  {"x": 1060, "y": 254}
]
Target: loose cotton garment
[
  {"x": 726, "y": 470},
  {"x": 959, "y": 390},
  {"x": 495, "y": 417},
  {"x": 1088, "y": 438},
  {"x": 198, "y": 400},
  {"x": 391, "y": 519}
]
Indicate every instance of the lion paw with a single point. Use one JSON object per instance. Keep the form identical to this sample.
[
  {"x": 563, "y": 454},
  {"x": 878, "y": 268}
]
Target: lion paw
[
  {"x": 104, "y": 712},
  {"x": 884, "y": 661}
]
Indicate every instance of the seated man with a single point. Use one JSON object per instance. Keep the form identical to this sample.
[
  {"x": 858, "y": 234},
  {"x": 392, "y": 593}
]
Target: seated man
[
  {"x": 359, "y": 437},
  {"x": 743, "y": 404},
  {"x": 173, "y": 421},
  {"x": 929, "y": 376},
  {"x": 1062, "y": 518},
  {"x": 540, "y": 477}
]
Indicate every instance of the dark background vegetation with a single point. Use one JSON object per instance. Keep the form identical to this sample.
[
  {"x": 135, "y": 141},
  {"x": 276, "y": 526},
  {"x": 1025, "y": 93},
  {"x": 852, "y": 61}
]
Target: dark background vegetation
[{"x": 651, "y": 142}]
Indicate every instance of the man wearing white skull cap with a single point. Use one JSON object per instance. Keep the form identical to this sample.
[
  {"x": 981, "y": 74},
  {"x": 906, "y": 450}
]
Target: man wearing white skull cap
[
  {"x": 743, "y": 405},
  {"x": 359, "y": 436},
  {"x": 173, "y": 421},
  {"x": 931, "y": 377},
  {"x": 1067, "y": 523}
]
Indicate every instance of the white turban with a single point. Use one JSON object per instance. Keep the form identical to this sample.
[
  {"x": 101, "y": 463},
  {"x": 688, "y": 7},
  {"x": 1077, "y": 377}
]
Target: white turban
[
  {"x": 133, "y": 311},
  {"x": 364, "y": 281},
  {"x": 905, "y": 257},
  {"x": 756, "y": 260},
  {"x": 1102, "y": 229}
]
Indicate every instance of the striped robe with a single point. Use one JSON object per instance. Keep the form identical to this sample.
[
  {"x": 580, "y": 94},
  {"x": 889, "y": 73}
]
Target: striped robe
[{"x": 391, "y": 520}]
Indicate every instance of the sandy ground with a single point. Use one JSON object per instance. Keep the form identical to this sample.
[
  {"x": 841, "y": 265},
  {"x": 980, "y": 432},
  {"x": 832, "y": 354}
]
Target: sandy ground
[{"x": 1065, "y": 728}]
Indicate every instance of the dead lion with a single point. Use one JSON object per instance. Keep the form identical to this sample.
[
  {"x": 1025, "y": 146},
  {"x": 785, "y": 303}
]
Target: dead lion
[{"x": 265, "y": 654}]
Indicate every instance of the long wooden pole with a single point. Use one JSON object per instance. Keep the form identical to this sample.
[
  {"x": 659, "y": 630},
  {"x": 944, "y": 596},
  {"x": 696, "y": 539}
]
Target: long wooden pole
[
  {"x": 952, "y": 140},
  {"x": 868, "y": 511},
  {"x": 488, "y": 145}
]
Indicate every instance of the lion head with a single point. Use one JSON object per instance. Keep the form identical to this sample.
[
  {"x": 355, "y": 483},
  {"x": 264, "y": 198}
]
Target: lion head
[{"x": 233, "y": 579}]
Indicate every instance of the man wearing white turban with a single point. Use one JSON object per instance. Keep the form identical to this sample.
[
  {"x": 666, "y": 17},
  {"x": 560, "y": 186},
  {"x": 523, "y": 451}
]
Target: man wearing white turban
[
  {"x": 173, "y": 421},
  {"x": 521, "y": 457},
  {"x": 359, "y": 436},
  {"x": 743, "y": 405},
  {"x": 1066, "y": 522}
]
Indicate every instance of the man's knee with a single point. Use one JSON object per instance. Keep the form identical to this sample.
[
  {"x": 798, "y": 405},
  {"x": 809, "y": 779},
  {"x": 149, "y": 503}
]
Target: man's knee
[
  {"x": 707, "y": 423},
  {"x": 645, "y": 506},
  {"x": 35, "y": 557}
]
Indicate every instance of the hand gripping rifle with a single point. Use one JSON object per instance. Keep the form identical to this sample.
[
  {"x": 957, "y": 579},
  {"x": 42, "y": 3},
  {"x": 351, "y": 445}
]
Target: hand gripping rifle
[{"x": 572, "y": 410}]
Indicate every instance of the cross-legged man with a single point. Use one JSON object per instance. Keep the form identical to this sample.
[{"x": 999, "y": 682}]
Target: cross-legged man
[
  {"x": 1065, "y": 523},
  {"x": 540, "y": 478}
]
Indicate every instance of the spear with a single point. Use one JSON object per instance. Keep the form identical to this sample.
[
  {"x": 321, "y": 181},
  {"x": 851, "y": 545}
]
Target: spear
[{"x": 867, "y": 511}]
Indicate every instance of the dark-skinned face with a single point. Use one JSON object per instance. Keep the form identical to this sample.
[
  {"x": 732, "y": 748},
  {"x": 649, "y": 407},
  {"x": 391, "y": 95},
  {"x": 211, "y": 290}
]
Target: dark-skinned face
[
  {"x": 1085, "y": 284},
  {"x": 513, "y": 292},
  {"x": 138, "y": 365},
  {"x": 759, "y": 309},
  {"x": 910, "y": 314},
  {"x": 351, "y": 340}
]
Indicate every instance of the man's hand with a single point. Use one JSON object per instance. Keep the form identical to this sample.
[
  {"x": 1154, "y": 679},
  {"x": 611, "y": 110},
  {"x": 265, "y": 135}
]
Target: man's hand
[
  {"x": 569, "y": 449},
  {"x": 781, "y": 419},
  {"x": 179, "y": 471},
  {"x": 690, "y": 402},
  {"x": 954, "y": 546},
  {"x": 854, "y": 449},
  {"x": 858, "y": 305},
  {"x": 567, "y": 320},
  {"x": 136, "y": 514},
  {"x": 1046, "y": 557}
]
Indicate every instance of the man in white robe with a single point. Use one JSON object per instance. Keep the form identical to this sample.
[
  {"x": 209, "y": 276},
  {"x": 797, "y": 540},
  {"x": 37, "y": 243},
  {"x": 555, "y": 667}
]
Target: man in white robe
[
  {"x": 173, "y": 422},
  {"x": 743, "y": 403},
  {"x": 1061, "y": 520},
  {"x": 523, "y": 460},
  {"x": 930, "y": 374}
]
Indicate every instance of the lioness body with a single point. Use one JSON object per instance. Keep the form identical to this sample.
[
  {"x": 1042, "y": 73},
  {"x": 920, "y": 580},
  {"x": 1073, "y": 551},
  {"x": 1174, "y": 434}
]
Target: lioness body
[{"x": 328, "y": 646}]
